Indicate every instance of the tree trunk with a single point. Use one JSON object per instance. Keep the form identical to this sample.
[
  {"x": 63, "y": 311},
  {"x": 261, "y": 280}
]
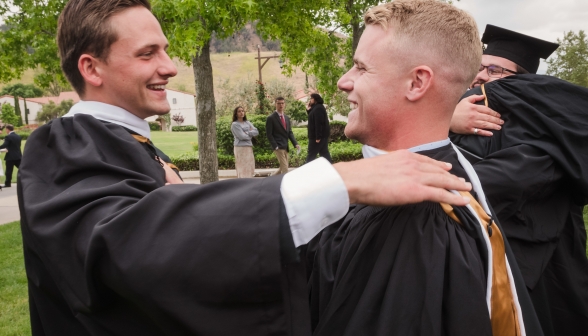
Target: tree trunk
[
  {"x": 206, "y": 115},
  {"x": 26, "y": 111},
  {"x": 357, "y": 31}
]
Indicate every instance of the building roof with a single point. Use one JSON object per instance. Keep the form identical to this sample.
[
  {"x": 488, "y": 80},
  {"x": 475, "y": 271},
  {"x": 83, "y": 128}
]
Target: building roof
[
  {"x": 70, "y": 95},
  {"x": 66, "y": 95}
]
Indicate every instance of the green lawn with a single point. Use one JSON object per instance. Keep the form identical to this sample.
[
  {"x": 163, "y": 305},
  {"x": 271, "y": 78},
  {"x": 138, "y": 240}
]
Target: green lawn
[
  {"x": 14, "y": 308},
  {"x": 174, "y": 143}
]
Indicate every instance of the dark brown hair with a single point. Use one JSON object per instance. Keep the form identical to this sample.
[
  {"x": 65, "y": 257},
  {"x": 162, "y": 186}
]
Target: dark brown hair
[
  {"x": 235, "y": 118},
  {"x": 280, "y": 98},
  {"x": 10, "y": 127},
  {"x": 84, "y": 27},
  {"x": 317, "y": 98}
]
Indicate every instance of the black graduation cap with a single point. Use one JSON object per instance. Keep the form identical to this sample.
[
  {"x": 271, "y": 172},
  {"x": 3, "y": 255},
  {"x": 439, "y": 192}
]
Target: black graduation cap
[{"x": 522, "y": 49}]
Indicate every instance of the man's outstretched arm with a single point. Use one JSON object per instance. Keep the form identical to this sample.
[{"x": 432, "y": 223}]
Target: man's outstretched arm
[{"x": 318, "y": 193}]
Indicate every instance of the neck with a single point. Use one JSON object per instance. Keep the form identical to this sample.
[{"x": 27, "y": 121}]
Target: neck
[
  {"x": 406, "y": 132},
  {"x": 102, "y": 97},
  {"x": 240, "y": 119}
]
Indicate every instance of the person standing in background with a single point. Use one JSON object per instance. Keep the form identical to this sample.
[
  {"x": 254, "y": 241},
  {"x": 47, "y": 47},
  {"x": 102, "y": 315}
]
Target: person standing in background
[
  {"x": 279, "y": 130},
  {"x": 243, "y": 131},
  {"x": 318, "y": 129},
  {"x": 14, "y": 155}
]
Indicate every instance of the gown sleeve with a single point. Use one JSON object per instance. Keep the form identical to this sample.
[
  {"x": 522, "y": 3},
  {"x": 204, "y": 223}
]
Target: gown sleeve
[{"x": 185, "y": 259}]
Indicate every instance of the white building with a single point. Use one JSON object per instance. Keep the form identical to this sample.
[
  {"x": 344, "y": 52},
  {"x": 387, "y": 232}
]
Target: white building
[{"x": 180, "y": 102}]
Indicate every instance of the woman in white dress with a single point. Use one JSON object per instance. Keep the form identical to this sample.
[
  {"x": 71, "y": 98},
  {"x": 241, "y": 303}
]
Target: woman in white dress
[{"x": 243, "y": 131}]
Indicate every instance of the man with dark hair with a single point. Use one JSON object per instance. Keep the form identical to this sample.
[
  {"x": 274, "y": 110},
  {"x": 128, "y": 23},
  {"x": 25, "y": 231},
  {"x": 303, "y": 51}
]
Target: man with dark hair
[
  {"x": 318, "y": 129},
  {"x": 279, "y": 130},
  {"x": 111, "y": 249},
  {"x": 507, "y": 53},
  {"x": 534, "y": 168},
  {"x": 12, "y": 145}
]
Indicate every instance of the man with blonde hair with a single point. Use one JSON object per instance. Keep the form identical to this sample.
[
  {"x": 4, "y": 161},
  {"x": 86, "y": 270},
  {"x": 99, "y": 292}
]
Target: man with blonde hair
[{"x": 422, "y": 269}]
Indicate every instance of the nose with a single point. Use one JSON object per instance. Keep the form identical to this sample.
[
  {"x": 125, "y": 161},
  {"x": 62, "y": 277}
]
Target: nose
[
  {"x": 345, "y": 83},
  {"x": 481, "y": 77},
  {"x": 167, "y": 68}
]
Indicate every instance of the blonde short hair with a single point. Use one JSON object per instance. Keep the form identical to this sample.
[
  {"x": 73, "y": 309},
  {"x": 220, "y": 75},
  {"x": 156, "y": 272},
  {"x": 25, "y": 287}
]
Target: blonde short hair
[{"x": 447, "y": 37}]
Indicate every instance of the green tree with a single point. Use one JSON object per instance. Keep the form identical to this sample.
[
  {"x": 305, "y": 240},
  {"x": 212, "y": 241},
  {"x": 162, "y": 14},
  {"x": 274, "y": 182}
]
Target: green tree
[
  {"x": 24, "y": 91},
  {"x": 52, "y": 111},
  {"x": 570, "y": 61},
  {"x": 189, "y": 26},
  {"x": 7, "y": 114},
  {"x": 29, "y": 42}
]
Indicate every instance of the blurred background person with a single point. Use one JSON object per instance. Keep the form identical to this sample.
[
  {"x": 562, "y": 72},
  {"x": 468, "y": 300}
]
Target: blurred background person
[
  {"x": 318, "y": 129},
  {"x": 279, "y": 130},
  {"x": 243, "y": 131},
  {"x": 12, "y": 144}
]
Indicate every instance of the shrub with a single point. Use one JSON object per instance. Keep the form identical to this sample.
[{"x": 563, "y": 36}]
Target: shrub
[
  {"x": 8, "y": 115},
  {"x": 225, "y": 137},
  {"x": 300, "y": 134},
  {"x": 23, "y": 135},
  {"x": 297, "y": 111},
  {"x": 337, "y": 131},
  {"x": 186, "y": 128},
  {"x": 154, "y": 126},
  {"x": 340, "y": 152},
  {"x": 52, "y": 111}
]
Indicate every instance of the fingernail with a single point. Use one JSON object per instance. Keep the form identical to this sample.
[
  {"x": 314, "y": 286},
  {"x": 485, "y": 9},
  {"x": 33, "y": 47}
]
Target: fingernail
[
  {"x": 461, "y": 179},
  {"x": 501, "y": 122},
  {"x": 448, "y": 164},
  {"x": 466, "y": 199},
  {"x": 469, "y": 185}
]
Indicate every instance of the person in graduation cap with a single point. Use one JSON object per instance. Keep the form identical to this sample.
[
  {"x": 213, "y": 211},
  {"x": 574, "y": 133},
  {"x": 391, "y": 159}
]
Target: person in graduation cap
[
  {"x": 535, "y": 172},
  {"x": 110, "y": 249},
  {"x": 507, "y": 53},
  {"x": 422, "y": 269}
]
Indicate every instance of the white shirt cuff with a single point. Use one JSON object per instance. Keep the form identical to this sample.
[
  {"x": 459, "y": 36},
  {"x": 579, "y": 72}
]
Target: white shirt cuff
[{"x": 315, "y": 196}]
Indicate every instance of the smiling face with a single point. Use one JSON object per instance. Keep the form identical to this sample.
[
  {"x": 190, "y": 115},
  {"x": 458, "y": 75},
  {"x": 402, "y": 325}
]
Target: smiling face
[
  {"x": 137, "y": 68},
  {"x": 374, "y": 86},
  {"x": 482, "y": 76}
]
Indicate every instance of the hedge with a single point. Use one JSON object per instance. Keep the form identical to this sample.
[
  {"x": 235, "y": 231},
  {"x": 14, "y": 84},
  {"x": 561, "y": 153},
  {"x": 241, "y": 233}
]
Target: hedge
[
  {"x": 261, "y": 145},
  {"x": 23, "y": 135},
  {"x": 154, "y": 126},
  {"x": 186, "y": 128},
  {"x": 340, "y": 152}
]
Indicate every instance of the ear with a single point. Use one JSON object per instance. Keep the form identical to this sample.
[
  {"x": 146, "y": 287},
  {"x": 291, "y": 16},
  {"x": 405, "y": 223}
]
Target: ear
[
  {"x": 421, "y": 82},
  {"x": 89, "y": 68}
]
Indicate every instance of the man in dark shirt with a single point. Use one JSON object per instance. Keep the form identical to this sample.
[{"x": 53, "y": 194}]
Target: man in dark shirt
[
  {"x": 279, "y": 130},
  {"x": 318, "y": 129},
  {"x": 14, "y": 155}
]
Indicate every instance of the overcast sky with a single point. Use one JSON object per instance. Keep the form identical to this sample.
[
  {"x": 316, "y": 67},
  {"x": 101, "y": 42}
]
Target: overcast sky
[{"x": 544, "y": 19}]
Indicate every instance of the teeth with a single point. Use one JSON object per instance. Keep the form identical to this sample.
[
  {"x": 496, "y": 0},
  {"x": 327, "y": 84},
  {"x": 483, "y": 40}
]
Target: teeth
[
  {"x": 353, "y": 106},
  {"x": 156, "y": 87}
]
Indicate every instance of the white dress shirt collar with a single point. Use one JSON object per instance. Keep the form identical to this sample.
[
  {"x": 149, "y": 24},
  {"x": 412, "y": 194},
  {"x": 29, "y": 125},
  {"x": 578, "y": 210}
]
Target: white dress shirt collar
[
  {"x": 369, "y": 151},
  {"x": 112, "y": 114}
]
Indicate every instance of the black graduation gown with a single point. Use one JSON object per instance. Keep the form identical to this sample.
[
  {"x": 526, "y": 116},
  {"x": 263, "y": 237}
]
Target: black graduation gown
[
  {"x": 535, "y": 174},
  {"x": 110, "y": 251},
  {"x": 406, "y": 270}
]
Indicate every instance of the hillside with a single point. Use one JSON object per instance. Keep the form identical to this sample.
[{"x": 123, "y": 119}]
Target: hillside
[
  {"x": 226, "y": 66},
  {"x": 235, "y": 67}
]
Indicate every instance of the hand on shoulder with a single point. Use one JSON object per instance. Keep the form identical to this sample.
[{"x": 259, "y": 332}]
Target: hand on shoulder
[{"x": 399, "y": 178}]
